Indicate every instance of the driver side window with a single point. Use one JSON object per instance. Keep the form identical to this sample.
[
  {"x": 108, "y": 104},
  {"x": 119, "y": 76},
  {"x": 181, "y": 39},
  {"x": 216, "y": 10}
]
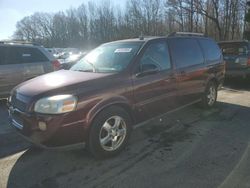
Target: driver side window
[{"x": 156, "y": 56}]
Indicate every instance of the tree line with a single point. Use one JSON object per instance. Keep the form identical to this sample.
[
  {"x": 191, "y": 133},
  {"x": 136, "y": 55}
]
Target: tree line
[{"x": 91, "y": 24}]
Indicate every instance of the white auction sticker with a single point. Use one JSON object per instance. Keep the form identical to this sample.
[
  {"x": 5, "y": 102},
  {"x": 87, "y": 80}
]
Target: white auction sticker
[{"x": 123, "y": 50}]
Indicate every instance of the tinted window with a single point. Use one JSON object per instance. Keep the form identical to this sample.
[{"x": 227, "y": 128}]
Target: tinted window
[
  {"x": 211, "y": 49},
  {"x": 18, "y": 55},
  {"x": 185, "y": 52},
  {"x": 2, "y": 55},
  {"x": 157, "y": 54},
  {"x": 13, "y": 55},
  {"x": 32, "y": 55}
]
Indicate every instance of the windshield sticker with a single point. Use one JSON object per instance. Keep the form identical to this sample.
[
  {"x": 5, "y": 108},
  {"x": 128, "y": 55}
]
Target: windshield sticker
[{"x": 123, "y": 50}]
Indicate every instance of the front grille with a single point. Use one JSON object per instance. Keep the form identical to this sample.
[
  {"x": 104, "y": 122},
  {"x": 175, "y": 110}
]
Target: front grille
[{"x": 16, "y": 102}]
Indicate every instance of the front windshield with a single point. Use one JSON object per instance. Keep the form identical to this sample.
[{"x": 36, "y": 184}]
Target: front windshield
[{"x": 107, "y": 58}]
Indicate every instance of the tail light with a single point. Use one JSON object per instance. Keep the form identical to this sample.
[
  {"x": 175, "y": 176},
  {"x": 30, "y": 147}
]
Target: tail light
[
  {"x": 248, "y": 62},
  {"x": 56, "y": 64}
]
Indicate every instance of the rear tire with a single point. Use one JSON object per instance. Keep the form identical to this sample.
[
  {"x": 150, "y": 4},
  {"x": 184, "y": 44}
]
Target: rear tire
[
  {"x": 210, "y": 95},
  {"x": 109, "y": 132}
]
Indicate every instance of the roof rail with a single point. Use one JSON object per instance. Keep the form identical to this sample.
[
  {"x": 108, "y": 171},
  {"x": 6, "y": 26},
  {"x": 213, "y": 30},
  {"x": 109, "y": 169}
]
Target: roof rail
[
  {"x": 186, "y": 34},
  {"x": 19, "y": 42},
  {"x": 231, "y": 41}
]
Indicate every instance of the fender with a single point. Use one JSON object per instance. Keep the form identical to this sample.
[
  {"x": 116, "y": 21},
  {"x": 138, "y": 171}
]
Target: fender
[
  {"x": 113, "y": 100},
  {"x": 216, "y": 74},
  {"x": 209, "y": 78}
]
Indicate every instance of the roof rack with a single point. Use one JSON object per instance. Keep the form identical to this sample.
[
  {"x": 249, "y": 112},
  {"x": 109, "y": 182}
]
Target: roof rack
[
  {"x": 186, "y": 34},
  {"x": 19, "y": 42},
  {"x": 231, "y": 41}
]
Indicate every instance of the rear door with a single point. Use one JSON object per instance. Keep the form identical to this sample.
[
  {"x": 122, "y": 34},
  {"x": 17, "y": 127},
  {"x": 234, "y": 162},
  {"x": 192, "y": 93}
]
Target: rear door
[
  {"x": 188, "y": 59},
  {"x": 34, "y": 62},
  {"x": 214, "y": 60},
  {"x": 11, "y": 69},
  {"x": 154, "y": 93}
]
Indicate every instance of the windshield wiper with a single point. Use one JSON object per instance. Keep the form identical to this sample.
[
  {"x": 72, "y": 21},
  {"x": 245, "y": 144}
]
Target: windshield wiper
[
  {"x": 93, "y": 66},
  {"x": 87, "y": 70}
]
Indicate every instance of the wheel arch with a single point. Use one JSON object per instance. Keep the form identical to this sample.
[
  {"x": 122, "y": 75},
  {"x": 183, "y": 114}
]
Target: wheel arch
[
  {"x": 214, "y": 80},
  {"x": 102, "y": 105}
]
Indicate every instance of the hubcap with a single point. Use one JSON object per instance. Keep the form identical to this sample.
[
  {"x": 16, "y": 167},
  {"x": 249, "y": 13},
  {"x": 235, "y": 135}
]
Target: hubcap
[
  {"x": 113, "y": 133},
  {"x": 211, "y": 96}
]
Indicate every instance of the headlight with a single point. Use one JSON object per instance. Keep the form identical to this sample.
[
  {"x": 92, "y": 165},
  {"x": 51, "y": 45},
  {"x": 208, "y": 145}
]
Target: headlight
[{"x": 57, "y": 104}]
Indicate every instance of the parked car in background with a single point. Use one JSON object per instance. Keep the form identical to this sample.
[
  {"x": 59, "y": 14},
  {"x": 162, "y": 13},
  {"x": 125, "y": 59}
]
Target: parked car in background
[
  {"x": 21, "y": 61},
  {"x": 71, "y": 60},
  {"x": 237, "y": 57},
  {"x": 64, "y": 55},
  {"x": 53, "y": 51},
  {"x": 115, "y": 86}
]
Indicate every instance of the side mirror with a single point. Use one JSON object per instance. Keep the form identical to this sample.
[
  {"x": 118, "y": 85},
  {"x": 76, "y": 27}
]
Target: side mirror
[{"x": 147, "y": 69}]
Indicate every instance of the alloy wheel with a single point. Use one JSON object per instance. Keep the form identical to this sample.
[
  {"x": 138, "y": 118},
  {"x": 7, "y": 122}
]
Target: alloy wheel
[
  {"x": 211, "y": 95},
  {"x": 112, "y": 133}
]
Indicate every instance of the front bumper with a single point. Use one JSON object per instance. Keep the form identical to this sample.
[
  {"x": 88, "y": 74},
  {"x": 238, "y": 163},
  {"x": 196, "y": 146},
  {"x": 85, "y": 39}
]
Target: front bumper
[{"x": 62, "y": 131}]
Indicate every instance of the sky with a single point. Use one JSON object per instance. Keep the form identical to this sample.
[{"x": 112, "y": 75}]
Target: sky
[{"x": 12, "y": 11}]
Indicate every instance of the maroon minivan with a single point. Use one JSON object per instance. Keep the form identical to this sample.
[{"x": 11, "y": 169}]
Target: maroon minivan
[{"x": 114, "y": 87}]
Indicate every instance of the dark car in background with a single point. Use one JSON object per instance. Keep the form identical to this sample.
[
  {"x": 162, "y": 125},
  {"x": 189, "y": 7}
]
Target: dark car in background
[
  {"x": 115, "y": 86},
  {"x": 237, "y": 57},
  {"x": 21, "y": 61}
]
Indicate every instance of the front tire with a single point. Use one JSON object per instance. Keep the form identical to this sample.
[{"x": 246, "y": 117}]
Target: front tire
[
  {"x": 210, "y": 95},
  {"x": 109, "y": 132}
]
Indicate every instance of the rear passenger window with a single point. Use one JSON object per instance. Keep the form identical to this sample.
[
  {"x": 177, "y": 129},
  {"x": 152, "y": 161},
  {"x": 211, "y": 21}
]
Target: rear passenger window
[
  {"x": 32, "y": 55},
  {"x": 13, "y": 55},
  {"x": 19, "y": 55},
  {"x": 211, "y": 50},
  {"x": 157, "y": 54},
  {"x": 185, "y": 52}
]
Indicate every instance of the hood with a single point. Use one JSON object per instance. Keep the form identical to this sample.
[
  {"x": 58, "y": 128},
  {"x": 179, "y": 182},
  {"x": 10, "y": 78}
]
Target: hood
[{"x": 55, "y": 81}]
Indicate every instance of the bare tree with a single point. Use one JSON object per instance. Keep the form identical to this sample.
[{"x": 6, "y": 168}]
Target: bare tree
[{"x": 91, "y": 24}]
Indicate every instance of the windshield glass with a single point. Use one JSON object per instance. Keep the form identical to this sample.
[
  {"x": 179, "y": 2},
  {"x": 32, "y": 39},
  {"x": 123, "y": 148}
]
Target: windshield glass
[{"x": 107, "y": 58}]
